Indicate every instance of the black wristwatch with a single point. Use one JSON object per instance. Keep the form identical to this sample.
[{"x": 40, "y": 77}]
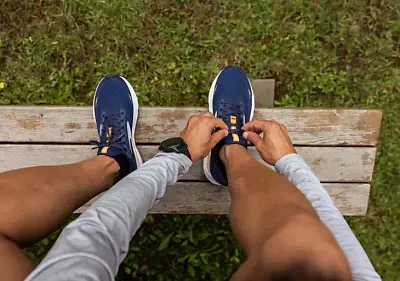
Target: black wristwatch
[{"x": 177, "y": 145}]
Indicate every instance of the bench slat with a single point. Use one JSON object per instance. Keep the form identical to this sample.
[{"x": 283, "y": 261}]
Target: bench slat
[
  {"x": 331, "y": 164},
  {"x": 75, "y": 124},
  {"x": 205, "y": 198}
]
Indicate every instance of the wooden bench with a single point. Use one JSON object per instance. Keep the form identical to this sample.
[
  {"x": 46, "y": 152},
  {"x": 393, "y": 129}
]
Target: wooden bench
[{"x": 339, "y": 145}]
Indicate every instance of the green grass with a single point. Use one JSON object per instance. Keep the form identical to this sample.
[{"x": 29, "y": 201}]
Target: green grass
[{"x": 321, "y": 53}]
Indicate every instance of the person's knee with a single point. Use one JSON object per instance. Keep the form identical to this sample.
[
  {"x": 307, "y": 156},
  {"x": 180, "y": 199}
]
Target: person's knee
[
  {"x": 304, "y": 250},
  {"x": 326, "y": 264}
]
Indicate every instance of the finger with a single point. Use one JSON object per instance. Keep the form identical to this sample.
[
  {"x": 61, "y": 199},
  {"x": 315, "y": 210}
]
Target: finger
[
  {"x": 250, "y": 127},
  {"x": 192, "y": 118},
  {"x": 207, "y": 114},
  {"x": 256, "y": 125},
  {"x": 254, "y": 139},
  {"x": 253, "y": 129},
  {"x": 283, "y": 127},
  {"x": 218, "y": 123},
  {"x": 217, "y": 136}
]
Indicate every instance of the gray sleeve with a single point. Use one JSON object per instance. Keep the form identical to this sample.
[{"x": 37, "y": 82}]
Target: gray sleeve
[
  {"x": 93, "y": 246},
  {"x": 294, "y": 168}
]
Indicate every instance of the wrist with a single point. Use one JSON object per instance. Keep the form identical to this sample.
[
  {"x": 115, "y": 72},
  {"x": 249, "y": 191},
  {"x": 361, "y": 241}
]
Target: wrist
[
  {"x": 175, "y": 145},
  {"x": 288, "y": 151},
  {"x": 192, "y": 154},
  {"x": 287, "y": 158}
]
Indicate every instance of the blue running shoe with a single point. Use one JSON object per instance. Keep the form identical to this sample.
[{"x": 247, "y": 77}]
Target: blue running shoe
[
  {"x": 231, "y": 98},
  {"x": 115, "y": 111}
]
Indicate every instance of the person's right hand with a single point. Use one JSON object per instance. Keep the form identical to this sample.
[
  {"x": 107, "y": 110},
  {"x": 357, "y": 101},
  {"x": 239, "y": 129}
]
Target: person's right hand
[
  {"x": 200, "y": 135},
  {"x": 275, "y": 143}
]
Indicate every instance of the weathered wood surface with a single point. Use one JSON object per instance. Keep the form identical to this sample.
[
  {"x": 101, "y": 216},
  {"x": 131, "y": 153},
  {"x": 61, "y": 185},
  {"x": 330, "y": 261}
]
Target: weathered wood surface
[
  {"x": 331, "y": 164},
  {"x": 75, "y": 124},
  {"x": 205, "y": 198},
  {"x": 264, "y": 92}
]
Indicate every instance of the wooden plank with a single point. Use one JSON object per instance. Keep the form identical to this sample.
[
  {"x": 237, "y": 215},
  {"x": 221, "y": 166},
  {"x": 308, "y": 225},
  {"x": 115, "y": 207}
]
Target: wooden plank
[
  {"x": 75, "y": 124},
  {"x": 331, "y": 164},
  {"x": 264, "y": 92},
  {"x": 204, "y": 198}
]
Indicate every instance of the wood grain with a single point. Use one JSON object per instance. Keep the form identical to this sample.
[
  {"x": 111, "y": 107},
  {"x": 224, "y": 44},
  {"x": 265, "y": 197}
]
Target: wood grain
[
  {"x": 330, "y": 164},
  {"x": 205, "y": 198},
  {"x": 45, "y": 124}
]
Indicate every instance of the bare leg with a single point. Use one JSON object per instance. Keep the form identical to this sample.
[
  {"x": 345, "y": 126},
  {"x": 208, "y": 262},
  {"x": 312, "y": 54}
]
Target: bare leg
[
  {"x": 36, "y": 201},
  {"x": 277, "y": 227}
]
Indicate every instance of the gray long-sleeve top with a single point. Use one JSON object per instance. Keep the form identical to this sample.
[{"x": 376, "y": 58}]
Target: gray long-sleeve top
[{"x": 93, "y": 246}]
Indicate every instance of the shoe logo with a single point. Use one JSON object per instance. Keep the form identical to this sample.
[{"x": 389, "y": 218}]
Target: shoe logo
[{"x": 128, "y": 128}]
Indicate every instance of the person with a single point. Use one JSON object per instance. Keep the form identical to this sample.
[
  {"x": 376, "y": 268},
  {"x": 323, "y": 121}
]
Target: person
[{"x": 285, "y": 221}]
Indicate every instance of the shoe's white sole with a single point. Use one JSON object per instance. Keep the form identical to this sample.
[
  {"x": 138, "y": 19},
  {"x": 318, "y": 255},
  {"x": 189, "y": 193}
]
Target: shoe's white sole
[
  {"x": 138, "y": 157},
  {"x": 206, "y": 161}
]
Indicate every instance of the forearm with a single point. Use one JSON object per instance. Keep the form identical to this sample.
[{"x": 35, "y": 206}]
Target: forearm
[
  {"x": 96, "y": 243},
  {"x": 294, "y": 168}
]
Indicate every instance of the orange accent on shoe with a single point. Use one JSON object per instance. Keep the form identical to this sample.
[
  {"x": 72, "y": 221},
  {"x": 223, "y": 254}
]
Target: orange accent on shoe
[
  {"x": 235, "y": 137},
  {"x": 233, "y": 119}
]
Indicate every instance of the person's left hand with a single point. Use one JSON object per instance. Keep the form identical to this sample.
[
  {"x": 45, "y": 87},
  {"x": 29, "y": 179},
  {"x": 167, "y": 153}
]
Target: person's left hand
[{"x": 200, "y": 135}]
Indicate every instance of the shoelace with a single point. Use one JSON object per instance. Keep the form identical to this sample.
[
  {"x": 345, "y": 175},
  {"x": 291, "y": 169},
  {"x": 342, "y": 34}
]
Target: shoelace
[
  {"x": 116, "y": 138},
  {"x": 227, "y": 110}
]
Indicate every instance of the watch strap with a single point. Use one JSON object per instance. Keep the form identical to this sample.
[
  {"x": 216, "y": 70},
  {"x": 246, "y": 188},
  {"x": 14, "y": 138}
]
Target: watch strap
[{"x": 175, "y": 145}]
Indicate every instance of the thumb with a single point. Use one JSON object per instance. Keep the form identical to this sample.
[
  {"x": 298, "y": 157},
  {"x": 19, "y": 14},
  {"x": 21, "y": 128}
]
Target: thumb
[
  {"x": 253, "y": 138},
  {"x": 217, "y": 136}
]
